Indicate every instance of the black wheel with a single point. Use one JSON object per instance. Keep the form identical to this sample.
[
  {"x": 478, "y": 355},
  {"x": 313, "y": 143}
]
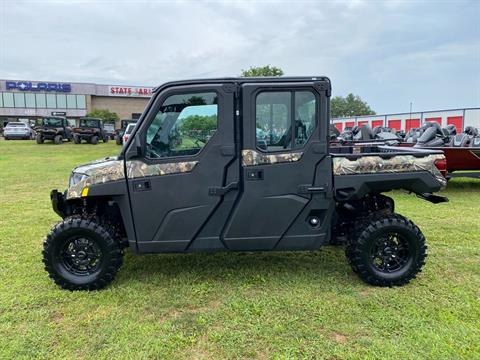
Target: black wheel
[
  {"x": 57, "y": 139},
  {"x": 39, "y": 139},
  {"x": 76, "y": 139},
  {"x": 105, "y": 139},
  {"x": 118, "y": 140},
  {"x": 94, "y": 140},
  {"x": 81, "y": 254},
  {"x": 388, "y": 251}
]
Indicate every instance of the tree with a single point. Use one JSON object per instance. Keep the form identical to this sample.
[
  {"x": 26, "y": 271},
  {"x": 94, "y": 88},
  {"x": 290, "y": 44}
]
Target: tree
[
  {"x": 104, "y": 114},
  {"x": 351, "y": 105},
  {"x": 266, "y": 70}
]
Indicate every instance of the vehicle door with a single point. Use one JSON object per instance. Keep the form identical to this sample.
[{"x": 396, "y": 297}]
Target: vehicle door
[
  {"x": 286, "y": 201},
  {"x": 186, "y": 167}
]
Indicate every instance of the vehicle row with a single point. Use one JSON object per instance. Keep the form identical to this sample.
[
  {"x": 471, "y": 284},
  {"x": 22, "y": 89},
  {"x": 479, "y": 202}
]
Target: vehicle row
[{"x": 57, "y": 129}]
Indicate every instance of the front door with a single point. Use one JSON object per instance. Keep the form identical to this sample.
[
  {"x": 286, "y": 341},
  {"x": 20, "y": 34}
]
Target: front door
[
  {"x": 286, "y": 202},
  {"x": 186, "y": 169}
]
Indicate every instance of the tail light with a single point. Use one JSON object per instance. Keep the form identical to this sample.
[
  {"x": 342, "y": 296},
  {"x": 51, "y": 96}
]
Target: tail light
[
  {"x": 441, "y": 165},
  {"x": 125, "y": 138}
]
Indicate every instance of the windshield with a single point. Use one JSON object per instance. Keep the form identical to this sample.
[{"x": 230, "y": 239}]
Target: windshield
[
  {"x": 52, "y": 122},
  {"x": 89, "y": 123},
  {"x": 16, "y": 125}
]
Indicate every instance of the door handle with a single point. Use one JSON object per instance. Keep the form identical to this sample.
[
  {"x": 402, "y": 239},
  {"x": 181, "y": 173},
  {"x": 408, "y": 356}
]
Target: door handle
[
  {"x": 220, "y": 191},
  {"x": 309, "y": 189},
  {"x": 142, "y": 185}
]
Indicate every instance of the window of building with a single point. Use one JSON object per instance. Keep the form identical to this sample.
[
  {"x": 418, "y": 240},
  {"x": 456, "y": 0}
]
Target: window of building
[
  {"x": 81, "y": 102},
  {"x": 61, "y": 101},
  {"x": 8, "y": 99},
  {"x": 71, "y": 102},
  {"x": 274, "y": 114},
  {"x": 30, "y": 100},
  {"x": 1, "y": 100},
  {"x": 51, "y": 101},
  {"x": 183, "y": 125},
  {"x": 41, "y": 101},
  {"x": 19, "y": 99}
]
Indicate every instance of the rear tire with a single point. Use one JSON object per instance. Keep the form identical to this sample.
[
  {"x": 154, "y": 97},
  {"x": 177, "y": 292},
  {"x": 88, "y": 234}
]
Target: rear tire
[
  {"x": 57, "y": 139},
  {"x": 105, "y": 139},
  {"x": 388, "y": 251},
  {"x": 81, "y": 254},
  {"x": 76, "y": 139},
  {"x": 118, "y": 140},
  {"x": 39, "y": 139},
  {"x": 94, "y": 140}
]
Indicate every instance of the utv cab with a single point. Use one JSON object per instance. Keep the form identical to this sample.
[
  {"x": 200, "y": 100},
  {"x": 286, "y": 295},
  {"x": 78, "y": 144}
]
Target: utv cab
[
  {"x": 91, "y": 130},
  {"x": 241, "y": 164},
  {"x": 53, "y": 128}
]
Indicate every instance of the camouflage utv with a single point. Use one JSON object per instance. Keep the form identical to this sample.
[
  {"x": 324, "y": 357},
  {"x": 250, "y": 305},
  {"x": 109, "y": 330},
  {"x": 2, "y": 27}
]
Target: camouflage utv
[
  {"x": 53, "y": 128},
  {"x": 91, "y": 130}
]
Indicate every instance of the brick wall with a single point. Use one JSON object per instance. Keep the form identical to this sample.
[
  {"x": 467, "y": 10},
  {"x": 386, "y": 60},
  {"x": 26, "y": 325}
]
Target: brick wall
[{"x": 124, "y": 107}]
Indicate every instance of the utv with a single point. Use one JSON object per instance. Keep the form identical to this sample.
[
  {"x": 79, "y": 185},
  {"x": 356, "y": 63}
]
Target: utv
[
  {"x": 119, "y": 132},
  {"x": 54, "y": 128},
  {"x": 241, "y": 164},
  {"x": 91, "y": 130}
]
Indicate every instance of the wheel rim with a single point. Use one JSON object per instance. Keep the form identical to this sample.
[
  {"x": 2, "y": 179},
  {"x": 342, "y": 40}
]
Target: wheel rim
[
  {"x": 390, "y": 252},
  {"x": 81, "y": 256}
]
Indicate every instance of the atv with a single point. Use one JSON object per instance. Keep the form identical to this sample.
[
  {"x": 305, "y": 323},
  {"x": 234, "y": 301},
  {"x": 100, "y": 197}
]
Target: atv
[
  {"x": 197, "y": 175},
  {"x": 91, "y": 130},
  {"x": 53, "y": 128}
]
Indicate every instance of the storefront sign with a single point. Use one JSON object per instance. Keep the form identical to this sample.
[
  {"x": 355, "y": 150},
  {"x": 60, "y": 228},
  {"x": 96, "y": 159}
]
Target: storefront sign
[
  {"x": 129, "y": 91},
  {"x": 59, "y": 113},
  {"x": 39, "y": 86}
]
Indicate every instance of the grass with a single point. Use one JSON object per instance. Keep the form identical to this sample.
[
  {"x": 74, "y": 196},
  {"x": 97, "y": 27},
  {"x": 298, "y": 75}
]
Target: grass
[{"x": 262, "y": 305}]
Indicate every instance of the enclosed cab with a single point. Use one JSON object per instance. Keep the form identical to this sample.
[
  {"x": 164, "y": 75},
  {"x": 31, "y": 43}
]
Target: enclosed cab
[
  {"x": 90, "y": 130},
  {"x": 241, "y": 164},
  {"x": 53, "y": 128}
]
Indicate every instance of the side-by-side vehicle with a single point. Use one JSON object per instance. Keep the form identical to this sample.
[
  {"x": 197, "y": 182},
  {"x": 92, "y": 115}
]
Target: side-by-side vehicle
[{"x": 241, "y": 164}]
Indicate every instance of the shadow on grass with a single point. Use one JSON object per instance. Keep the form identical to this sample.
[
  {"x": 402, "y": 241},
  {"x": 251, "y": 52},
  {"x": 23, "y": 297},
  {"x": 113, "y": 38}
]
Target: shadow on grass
[
  {"x": 463, "y": 184},
  {"x": 237, "y": 266}
]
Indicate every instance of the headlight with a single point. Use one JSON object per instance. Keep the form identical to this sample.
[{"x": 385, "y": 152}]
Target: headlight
[{"x": 75, "y": 178}]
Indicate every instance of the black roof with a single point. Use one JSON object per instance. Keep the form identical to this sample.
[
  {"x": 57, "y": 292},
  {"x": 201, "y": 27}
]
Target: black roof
[{"x": 244, "y": 80}]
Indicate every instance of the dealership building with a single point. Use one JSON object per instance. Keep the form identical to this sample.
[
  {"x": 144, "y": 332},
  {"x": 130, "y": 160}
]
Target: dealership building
[{"x": 25, "y": 100}]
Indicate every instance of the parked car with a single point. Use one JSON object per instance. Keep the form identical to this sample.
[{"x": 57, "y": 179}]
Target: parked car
[
  {"x": 127, "y": 133},
  {"x": 18, "y": 130},
  {"x": 123, "y": 126}
]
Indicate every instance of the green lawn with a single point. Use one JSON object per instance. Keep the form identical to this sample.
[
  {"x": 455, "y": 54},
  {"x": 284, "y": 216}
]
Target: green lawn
[{"x": 262, "y": 305}]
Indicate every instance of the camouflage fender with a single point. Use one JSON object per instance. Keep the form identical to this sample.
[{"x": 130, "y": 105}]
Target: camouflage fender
[
  {"x": 253, "y": 158},
  {"x": 399, "y": 163}
]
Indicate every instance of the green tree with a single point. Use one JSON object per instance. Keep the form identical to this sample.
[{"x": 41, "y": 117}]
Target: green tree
[
  {"x": 266, "y": 70},
  {"x": 351, "y": 105},
  {"x": 104, "y": 114}
]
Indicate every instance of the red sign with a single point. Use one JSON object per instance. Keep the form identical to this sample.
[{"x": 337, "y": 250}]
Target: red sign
[{"x": 130, "y": 91}]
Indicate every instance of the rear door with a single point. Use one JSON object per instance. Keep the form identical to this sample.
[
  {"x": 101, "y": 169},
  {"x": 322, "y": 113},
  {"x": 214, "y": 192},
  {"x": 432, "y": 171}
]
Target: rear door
[
  {"x": 178, "y": 184},
  {"x": 286, "y": 201}
]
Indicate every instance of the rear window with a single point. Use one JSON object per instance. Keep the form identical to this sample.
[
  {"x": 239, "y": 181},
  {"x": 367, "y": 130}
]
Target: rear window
[
  {"x": 129, "y": 129},
  {"x": 16, "y": 124}
]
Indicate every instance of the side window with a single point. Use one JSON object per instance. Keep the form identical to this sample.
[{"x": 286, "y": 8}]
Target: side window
[
  {"x": 183, "y": 125},
  {"x": 284, "y": 118}
]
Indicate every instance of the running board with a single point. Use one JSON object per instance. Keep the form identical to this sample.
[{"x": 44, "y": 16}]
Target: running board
[{"x": 434, "y": 199}]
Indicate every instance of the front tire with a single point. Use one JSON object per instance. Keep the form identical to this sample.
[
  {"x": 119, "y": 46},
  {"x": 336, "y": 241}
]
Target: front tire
[
  {"x": 388, "y": 251},
  {"x": 76, "y": 139},
  {"x": 81, "y": 254},
  {"x": 105, "y": 139},
  {"x": 118, "y": 140},
  {"x": 39, "y": 139},
  {"x": 94, "y": 140},
  {"x": 57, "y": 139}
]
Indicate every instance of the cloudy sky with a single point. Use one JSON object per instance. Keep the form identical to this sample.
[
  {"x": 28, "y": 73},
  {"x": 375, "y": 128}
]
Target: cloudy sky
[{"x": 389, "y": 53}]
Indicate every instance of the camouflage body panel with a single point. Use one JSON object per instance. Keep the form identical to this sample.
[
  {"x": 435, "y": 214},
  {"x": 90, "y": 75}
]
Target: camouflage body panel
[
  {"x": 253, "y": 158},
  {"x": 111, "y": 169},
  {"x": 399, "y": 163},
  {"x": 98, "y": 172},
  {"x": 137, "y": 169}
]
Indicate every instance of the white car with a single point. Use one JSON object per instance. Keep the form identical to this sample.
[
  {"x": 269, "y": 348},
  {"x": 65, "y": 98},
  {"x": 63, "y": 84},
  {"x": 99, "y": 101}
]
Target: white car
[
  {"x": 127, "y": 132},
  {"x": 18, "y": 130}
]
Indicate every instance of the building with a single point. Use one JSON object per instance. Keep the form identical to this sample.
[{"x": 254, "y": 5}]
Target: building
[
  {"x": 22, "y": 100},
  {"x": 461, "y": 118}
]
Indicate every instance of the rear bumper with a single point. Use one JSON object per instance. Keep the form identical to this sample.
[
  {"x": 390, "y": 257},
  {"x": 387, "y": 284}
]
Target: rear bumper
[{"x": 17, "y": 135}]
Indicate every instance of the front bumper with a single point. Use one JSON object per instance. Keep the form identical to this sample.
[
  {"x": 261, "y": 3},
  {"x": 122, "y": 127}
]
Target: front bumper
[{"x": 58, "y": 203}]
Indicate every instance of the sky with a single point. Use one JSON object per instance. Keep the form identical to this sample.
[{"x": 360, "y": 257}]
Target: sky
[{"x": 389, "y": 53}]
